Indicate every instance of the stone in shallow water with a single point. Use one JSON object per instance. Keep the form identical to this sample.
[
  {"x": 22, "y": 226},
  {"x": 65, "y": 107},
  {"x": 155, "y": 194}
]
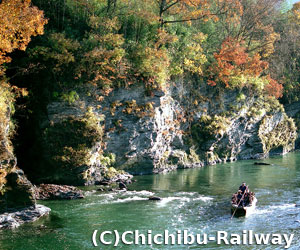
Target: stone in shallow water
[
  {"x": 17, "y": 218},
  {"x": 154, "y": 198},
  {"x": 262, "y": 163}
]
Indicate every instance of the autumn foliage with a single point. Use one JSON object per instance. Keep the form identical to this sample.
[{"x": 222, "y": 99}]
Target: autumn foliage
[
  {"x": 113, "y": 43},
  {"x": 174, "y": 11},
  {"x": 235, "y": 67},
  {"x": 274, "y": 88},
  {"x": 104, "y": 65},
  {"x": 232, "y": 60},
  {"x": 19, "y": 21}
]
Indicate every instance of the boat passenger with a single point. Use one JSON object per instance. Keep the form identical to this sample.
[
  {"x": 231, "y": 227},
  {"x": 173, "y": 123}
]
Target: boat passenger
[
  {"x": 251, "y": 197},
  {"x": 239, "y": 196},
  {"x": 246, "y": 200},
  {"x": 234, "y": 198},
  {"x": 243, "y": 187}
]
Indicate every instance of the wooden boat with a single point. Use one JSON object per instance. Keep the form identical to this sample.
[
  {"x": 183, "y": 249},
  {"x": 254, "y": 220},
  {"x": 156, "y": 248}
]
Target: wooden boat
[{"x": 240, "y": 211}]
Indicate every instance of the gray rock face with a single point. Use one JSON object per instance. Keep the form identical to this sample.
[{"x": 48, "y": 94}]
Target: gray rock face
[
  {"x": 188, "y": 125},
  {"x": 16, "y": 191},
  {"x": 17, "y": 218},
  {"x": 293, "y": 110},
  {"x": 234, "y": 124},
  {"x": 145, "y": 137}
]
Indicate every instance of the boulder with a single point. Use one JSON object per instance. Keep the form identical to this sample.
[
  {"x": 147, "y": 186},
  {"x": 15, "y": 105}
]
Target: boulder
[
  {"x": 18, "y": 192},
  {"x": 262, "y": 163},
  {"x": 16, "y": 218},
  {"x": 57, "y": 192},
  {"x": 154, "y": 198}
]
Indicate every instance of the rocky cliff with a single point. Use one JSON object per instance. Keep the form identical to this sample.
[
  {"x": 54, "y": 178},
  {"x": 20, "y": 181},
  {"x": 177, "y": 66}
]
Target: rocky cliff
[
  {"x": 144, "y": 131},
  {"x": 15, "y": 189},
  {"x": 293, "y": 110}
]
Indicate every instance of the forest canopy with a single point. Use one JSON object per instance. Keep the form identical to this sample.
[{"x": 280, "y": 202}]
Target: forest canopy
[{"x": 227, "y": 44}]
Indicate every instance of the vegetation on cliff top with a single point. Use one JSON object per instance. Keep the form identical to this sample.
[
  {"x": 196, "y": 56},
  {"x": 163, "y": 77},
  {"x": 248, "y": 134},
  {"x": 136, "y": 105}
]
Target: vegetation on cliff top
[{"x": 114, "y": 43}]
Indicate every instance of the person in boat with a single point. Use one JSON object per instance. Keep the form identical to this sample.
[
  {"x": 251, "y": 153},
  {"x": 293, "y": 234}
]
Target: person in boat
[
  {"x": 243, "y": 188},
  {"x": 246, "y": 200},
  {"x": 239, "y": 197},
  {"x": 234, "y": 198},
  {"x": 251, "y": 197}
]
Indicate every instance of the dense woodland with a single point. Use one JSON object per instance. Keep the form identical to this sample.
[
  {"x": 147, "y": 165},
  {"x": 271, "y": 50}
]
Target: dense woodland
[
  {"x": 49, "y": 50},
  {"x": 114, "y": 43}
]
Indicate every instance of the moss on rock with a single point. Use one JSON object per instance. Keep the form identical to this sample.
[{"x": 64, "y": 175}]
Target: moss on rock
[
  {"x": 18, "y": 192},
  {"x": 7, "y": 159},
  {"x": 210, "y": 127},
  {"x": 68, "y": 143},
  {"x": 71, "y": 149},
  {"x": 282, "y": 135}
]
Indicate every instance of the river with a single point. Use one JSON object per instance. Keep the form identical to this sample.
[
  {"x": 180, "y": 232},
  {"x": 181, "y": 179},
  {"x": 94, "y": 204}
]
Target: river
[{"x": 197, "y": 200}]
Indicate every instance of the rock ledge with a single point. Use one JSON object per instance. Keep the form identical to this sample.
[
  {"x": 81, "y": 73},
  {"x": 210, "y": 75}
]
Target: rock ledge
[{"x": 17, "y": 218}]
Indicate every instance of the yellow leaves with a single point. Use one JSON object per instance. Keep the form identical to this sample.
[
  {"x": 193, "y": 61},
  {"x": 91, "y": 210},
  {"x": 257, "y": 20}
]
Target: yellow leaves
[
  {"x": 164, "y": 38},
  {"x": 107, "y": 25},
  {"x": 153, "y": 64},
  {"x": 19, "y": 21},
  {"x": 104, "y": 64},
  {"x": 132, "y": 108},
  {"x": 192, "y": 57},
  {"x": 296, "y": 12}
]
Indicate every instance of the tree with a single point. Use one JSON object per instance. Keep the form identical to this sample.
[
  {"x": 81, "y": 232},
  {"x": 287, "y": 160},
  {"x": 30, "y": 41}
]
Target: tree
[
  {"x": 285, "y": 63},
  {"x": 175, "y": 11},
  {"x": 254, "y": 25},
  {"x": 233, "y": 61},
  {"x": 19, "y": 21},
  {"x": 296, "y": 12},
  {"x": 236, "y": 68},
  {"x": 257, "y": 26}
]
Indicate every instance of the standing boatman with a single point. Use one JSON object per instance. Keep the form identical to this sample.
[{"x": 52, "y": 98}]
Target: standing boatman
[{"x": 243, "y": 188}]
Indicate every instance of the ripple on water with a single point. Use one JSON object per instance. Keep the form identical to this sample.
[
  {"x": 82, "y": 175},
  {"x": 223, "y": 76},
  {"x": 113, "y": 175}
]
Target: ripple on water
[{"x": 273, "y": 208}]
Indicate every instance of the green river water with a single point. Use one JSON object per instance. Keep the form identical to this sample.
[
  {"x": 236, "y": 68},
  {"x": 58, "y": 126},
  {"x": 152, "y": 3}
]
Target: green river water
[{"x": 197, "y": 200}]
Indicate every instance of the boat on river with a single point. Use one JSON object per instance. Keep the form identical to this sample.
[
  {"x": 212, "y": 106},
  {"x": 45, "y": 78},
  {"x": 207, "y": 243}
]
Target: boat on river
[
  {"x": 239, "y": 211},
  {"x": 243, "y": 202}
]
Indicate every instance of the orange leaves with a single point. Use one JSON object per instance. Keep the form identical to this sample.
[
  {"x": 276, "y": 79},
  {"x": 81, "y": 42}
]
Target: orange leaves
[
  {"x": 255, "y": 66},
  {"x": 233, "y": 61},
  {"x": 164, "y": 38},
  {"x": 211, "y": 83},
  {"x": 232, "y": 52},
  {"x": 235, "y": 67},
  {"x": 274, "y": 88},
  {"x": 19, "y": 21}
]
